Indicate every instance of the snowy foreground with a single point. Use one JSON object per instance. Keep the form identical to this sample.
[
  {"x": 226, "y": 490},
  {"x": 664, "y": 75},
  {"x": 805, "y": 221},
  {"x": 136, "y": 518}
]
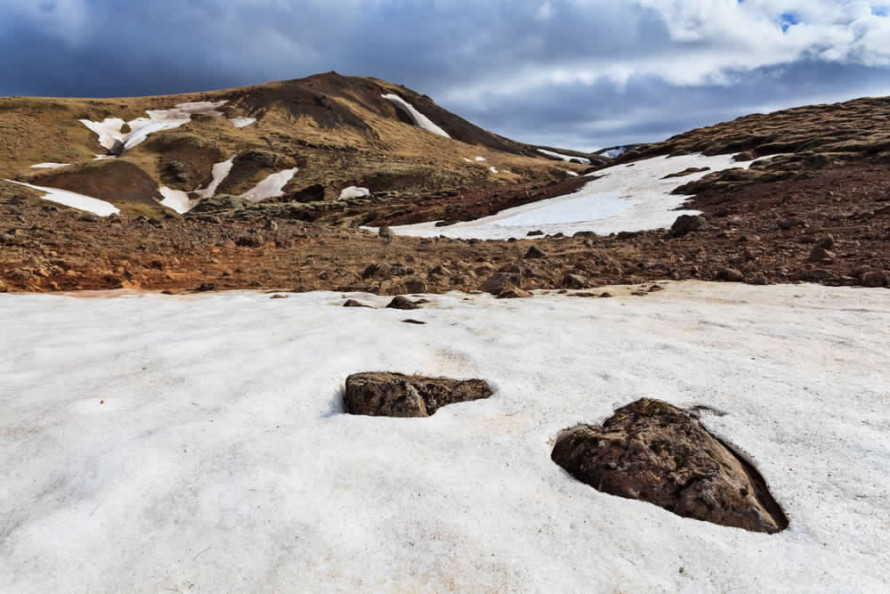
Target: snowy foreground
[
  {"x": 154, "y": 443},
  {"x": 632, "y": 197}
]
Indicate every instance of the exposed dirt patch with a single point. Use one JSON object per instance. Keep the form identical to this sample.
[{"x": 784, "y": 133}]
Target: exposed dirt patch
[
  {"x": 113, "y": 180},
  {"x": 655, "y": 452}
]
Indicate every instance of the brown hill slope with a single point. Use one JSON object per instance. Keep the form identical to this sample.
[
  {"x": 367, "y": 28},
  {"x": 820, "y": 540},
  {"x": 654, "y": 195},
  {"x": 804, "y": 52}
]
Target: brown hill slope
[{"x": 337, "y": 131}]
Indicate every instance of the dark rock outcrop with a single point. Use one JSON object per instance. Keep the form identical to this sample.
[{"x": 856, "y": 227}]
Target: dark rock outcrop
[
  {"x": 686, "y": 224},
  {"x": 655, "y": 452},
  {"x": 397, "y": 395}
]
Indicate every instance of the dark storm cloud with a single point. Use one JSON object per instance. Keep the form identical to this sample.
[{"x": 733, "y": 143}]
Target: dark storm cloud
[{"x": 580, "y": 73}]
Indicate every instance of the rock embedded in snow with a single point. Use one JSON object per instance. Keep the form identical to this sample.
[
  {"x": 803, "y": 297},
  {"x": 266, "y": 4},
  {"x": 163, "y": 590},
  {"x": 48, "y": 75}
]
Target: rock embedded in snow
[
  {"x": 402, "y": 302},
  {"x": 398, "y": 395},
  {"x": 566, "y": 158},
  {"x": 655, "y": 452}
]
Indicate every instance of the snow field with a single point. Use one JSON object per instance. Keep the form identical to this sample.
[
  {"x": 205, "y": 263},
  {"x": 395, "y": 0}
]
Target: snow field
[
  {"x": 619, "y": 198},
  {"x": 151, "y": 442},
  {"x": 73, "y": 199}
]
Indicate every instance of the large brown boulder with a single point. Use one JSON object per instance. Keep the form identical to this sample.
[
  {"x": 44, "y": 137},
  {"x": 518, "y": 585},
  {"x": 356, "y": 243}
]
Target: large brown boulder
[
  {"x": 655, "y": 452},
  {"x": 396, "y": 395}
]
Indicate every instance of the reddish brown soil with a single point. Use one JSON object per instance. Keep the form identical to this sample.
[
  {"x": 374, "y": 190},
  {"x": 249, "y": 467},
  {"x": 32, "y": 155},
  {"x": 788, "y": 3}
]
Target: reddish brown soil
[{"x": 765, "y": 232}]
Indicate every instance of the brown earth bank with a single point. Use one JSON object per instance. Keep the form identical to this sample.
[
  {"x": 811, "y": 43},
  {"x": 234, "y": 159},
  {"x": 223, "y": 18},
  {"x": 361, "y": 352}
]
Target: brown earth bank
[{"x": 829, "y": 225}]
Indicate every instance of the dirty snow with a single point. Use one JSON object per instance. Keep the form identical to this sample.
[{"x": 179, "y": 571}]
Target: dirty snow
[
  {"x": 354, "y": 192},
  {"x": 220, "y": 172},
  {"x": 623, "y": 199},
  {"x": 176, "y": 200},
  {"x": 110, "y": 132},
  {"x": 420, "y": 120},
  {"x": 271, "y": 187},
  {"x": 73, "y": 199},
  {"x": 49, "y": 165},
  {"x": 242, "y": 122},
  {"x": 566, "y": 158},
  {"x": 152, "y": 443}
]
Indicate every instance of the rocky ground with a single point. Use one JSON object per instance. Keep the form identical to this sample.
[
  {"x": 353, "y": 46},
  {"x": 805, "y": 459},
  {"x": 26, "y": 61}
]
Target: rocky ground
[{"x": 828, "y": 225}]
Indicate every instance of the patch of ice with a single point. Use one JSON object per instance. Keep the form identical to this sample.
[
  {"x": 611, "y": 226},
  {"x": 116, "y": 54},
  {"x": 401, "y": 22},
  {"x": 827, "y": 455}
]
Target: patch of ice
[
  {"x": 242, "y": 122},
  {"x": 271, "y": 187},
  {"x": 621, "y": 199},
  {"x": 566, "y": 158},
  {"x": 176, "y": 200},
  {"x": 73, "y": 199},
  {"x": 220, "y": 173},
  {"x": 50, "y": 165},
  {"x": 420, "y": 120},
  {"x": 214, "y": 450},
  {"x": 354, "y": 192},
  {"x": 111, "y": 136}
]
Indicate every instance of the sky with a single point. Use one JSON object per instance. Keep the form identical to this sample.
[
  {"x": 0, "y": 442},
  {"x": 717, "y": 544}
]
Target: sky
[{"x": 580, "y": 74}]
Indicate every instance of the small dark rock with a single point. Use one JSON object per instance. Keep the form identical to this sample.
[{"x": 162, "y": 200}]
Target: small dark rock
[
  {"x": 354, "y": 303},
  {"x": 534, "y": 252},
  {"x": 398, "y": 395},
  {"x": 88, "y": 217},
  {"x": 686, "y": 224},
  {"x": 402, "y": 302},
  {"x": 534, "y": 233},
  {"x": 730, "y": 275}
]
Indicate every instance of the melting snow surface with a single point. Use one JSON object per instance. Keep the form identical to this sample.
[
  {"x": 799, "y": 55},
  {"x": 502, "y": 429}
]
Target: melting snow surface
[
  {"x": 152, "y": 443},
  {"x": 271, "y": 187},
  {"x": 109, "y": 130},
  {"x": 615, "y": 152},
  {"x": 480, "y": 159},
  {"x": 420, "y": 120},
  {"x": 623, "y": 199},
  {"x": 566, "y": 158},
  {"x": 73, "y": 199},
  {"x": 354, "y": 192},
  {"x": 49, "y": 165}
]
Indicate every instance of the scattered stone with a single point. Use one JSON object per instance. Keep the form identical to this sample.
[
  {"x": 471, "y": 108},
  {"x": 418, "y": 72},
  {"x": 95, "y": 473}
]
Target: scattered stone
[
  {"x": 875, "y": 279},
  {"x": 410, "y": 321},
  {"x": 253, "y": 241},
  {"x": 88, "y": 217},
  {"x": 205, "y": 287},
  {"x": 605, "y": 295},
  {"x": 534, "y": 233},
  {"x": 820, "y": 254},
  {"x": 387, "y": 233},
  {"x": 500, "y": 282},
  {"x": 655, "y": 452},
  {"x": 415, "y": 285},
  {"x": 758, "y": 279},
  {"x": 826, "y": 242},
  {"x": 398, "y": 395},
  {"x": 656, "y": 288},
  {"x": 535, "y": 253},
  {"x": 573, "y": 281},
  {"x": 812, "y": 276},
  {"x": 354, "y": 303},
  {"x": 730, "y": 275},
  {"x": 514, "y": 293},
  {"x": 686, "y": 224},
  {"x": 402, "y": 302},
  {"x": 278, "y": 296}
]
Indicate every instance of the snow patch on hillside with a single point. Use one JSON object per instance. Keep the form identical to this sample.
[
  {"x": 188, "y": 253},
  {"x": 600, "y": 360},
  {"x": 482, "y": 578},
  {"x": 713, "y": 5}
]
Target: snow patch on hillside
[
  {"x": 566, "y": 158},
  {"x": 242, "y": 122},
  {"x": 153, "y": 443},
  {"x": 50, "y": 165},
  {"x": 271, "y": 187},
  {"x": 73, "y": 199},
  {"x": 420, "y": 120},
  {"x": 617, "y": 199},
  {"x": 354, "y": 192},
  {"x": 176, "y": 200},
  {"x": 113, "y": 139},
  {"x": 220, "y": 172}
]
